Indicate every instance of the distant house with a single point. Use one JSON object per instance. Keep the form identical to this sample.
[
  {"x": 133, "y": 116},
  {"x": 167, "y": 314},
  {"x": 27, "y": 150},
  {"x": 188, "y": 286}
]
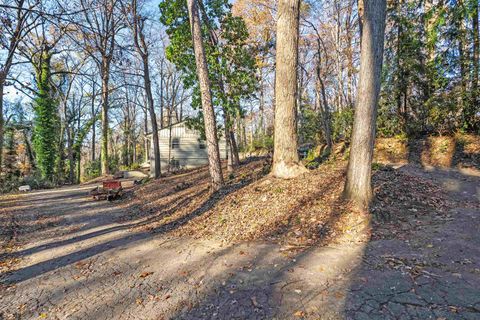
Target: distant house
[{"x": 182, "y": 148}]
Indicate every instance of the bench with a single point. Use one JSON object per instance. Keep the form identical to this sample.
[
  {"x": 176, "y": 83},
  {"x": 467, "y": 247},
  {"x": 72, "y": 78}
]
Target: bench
[{"x": 110, "y": 190}]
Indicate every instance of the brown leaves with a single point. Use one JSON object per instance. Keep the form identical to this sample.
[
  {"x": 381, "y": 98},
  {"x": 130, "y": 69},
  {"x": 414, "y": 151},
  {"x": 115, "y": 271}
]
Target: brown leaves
[
  {"x": 299, "y": 314},
  {"x": 298, "y": 213},
  {"x": 145, "y": 274}
]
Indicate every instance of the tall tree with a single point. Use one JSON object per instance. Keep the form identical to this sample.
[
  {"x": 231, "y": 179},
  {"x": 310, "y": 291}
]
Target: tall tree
[
  {"x": 476, "y": 55},
  {"x": 98, "y": 31},
  {"x": 285, "y": 155},
  {"x": 206, "y": 96},
  {"x": 137, "y": 25},
  {"x": 17, "y": 21},
  {"x": 358, "y": 185},
  {"x": 46, "y": 120}
]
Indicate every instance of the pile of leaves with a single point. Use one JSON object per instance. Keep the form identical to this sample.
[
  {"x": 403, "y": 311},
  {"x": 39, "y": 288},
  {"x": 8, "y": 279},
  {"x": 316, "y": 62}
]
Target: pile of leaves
[
  {"x": 253, "y": 206},
  {"x": 405, "y": 203},
  {"x": 296, "y": 213}
]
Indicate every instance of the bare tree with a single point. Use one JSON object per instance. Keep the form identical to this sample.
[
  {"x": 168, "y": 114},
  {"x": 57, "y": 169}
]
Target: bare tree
[
  {"x": 137, "y": 25},
  {"x": 358, "y": 185},
  {"x": 102, "y": 24},
  {"x": 206, "y": 95},
  {"x": 285, "y": 155},
  {"x": 320, "y": 94},
  {"x": 17, "y": 21}
]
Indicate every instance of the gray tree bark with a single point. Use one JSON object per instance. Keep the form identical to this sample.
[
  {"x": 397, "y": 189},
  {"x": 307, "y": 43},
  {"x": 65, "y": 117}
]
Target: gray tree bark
[
  {"x": 105, "y": 94},
  {"x": 141, "y": 46},
  {"x": 358, "y": 185},
  {"x": 206, "y": 96},
  {"x": 94, "y": 121},
  {"x": 286, "y": 163}
]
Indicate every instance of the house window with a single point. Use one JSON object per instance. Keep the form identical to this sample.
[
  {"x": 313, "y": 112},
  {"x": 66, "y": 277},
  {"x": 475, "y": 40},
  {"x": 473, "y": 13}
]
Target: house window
[
  {"x": 175, "y": 143},
  {"x": 202, "y": 144}
]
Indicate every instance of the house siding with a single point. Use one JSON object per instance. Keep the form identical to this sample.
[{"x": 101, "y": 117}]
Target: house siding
[{"x": 188, "y": 154}]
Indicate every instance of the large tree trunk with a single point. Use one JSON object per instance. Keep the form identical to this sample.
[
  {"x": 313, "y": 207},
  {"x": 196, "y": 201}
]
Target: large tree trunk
[
  {"x": 105, "y": 79},
  {"x": 206, "y": 95},
  {"x": 153, "y": 116},
  {"x": 285, "y": 156},
  {"x": 358, "y": 185}
]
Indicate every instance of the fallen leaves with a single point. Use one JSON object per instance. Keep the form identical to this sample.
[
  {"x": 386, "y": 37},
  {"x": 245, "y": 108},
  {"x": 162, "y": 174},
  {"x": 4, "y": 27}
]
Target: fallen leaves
[
  {"x": 145, "y": 274},
  {"x": 405, "y": 203},
  {"x": 299, "y": 314},
  {"x": 297, "y": 213}
]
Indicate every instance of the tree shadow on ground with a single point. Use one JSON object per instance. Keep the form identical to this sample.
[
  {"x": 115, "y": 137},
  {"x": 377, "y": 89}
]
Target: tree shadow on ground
[
  {"x": 403, "y": 275},
  {"x": 421, "y": 261},
  {"x": 276, "y": 282},
  {"x": 146, "y": 228}
]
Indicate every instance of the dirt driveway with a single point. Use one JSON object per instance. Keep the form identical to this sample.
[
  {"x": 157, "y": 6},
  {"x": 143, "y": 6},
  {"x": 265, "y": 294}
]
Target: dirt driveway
[{"x": 67, "y": 257}]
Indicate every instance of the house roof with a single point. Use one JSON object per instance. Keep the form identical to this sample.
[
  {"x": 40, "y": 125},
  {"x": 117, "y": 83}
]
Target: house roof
[{"x": 167, "y": 127}]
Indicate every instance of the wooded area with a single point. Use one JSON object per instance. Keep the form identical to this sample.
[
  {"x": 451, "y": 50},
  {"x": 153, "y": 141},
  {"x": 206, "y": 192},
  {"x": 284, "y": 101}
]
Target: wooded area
[
  {"x": 83, "y": 83},
  {"x": 287, "y": 159}
]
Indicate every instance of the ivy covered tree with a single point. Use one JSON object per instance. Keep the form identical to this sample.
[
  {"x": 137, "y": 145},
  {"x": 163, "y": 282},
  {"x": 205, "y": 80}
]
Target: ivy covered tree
[
  {"x": 46, "y": 119},
  {"x": 10, "y": 169}
]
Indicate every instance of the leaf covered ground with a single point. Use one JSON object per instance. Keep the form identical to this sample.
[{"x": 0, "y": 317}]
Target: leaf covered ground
[
  {"x": 253, "y": 206},
  {"x": 295, "y": 213}
]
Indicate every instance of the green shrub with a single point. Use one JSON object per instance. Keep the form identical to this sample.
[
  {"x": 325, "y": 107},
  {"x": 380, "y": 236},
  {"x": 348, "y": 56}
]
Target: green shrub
[
  {"x": 261, "y": 142},
  {"x": 376, "y": 166},
  {"x": 92, "y": 170},
  {"x": 312, "y": 165},
  {"x": 342, "y": 122}
]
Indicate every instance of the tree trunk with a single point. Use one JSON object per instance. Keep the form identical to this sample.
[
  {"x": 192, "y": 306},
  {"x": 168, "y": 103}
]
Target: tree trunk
[
  {"x": 358, "y": 185},
  {"x": 105, "y": 79},
  {"x": 286, "y": 164},
  {"x": 2, "y": 130},
  {"x": 323, "y": 106},
  {"x": 94, "y": 122},
  {"x": 324, "y": 113},
  {"x": 206, "y": 95},
  {"x": 28, "y": 147},
  {"x": 146, "y": 144},
  {"x": 161, "y": 98},
  {"x": 476, "y": 53},
  {"x": 228, "y": 150},
  {"x": 153, "y": 116},
  {"x": 71, "y": 162},
  {"x": 263, "y": 130},
  {"x": 234, "y": 149}
]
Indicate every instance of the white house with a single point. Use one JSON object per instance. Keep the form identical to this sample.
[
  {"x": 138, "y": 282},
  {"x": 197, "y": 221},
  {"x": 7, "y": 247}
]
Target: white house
[{"x": 182, "y": 148}]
